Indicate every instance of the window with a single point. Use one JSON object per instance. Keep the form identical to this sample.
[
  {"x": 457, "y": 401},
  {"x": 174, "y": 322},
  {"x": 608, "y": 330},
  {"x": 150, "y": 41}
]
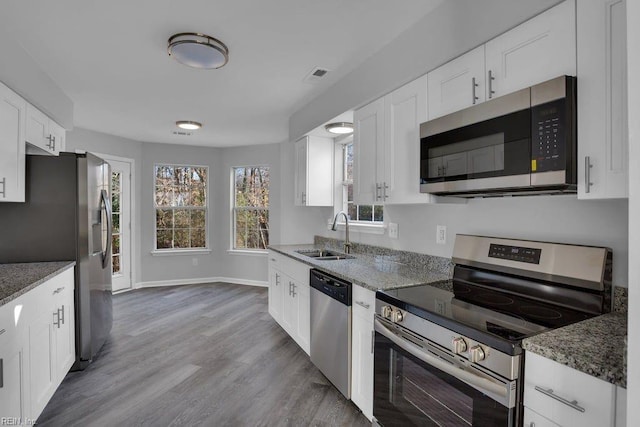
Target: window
[
  {"x": 251, "y": 207},
  {"x": 362, "y": 213},
  {"x": 181, "y": 207},
  {"x": 116, "y": 195}
]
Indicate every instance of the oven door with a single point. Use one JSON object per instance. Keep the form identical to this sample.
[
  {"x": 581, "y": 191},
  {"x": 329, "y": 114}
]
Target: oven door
[
  {"x": 418, "y": 383},
  {"x": 484, "y": 147}
]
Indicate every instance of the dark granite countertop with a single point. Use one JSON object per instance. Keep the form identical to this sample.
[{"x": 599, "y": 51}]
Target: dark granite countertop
[
  {"x": 18, "y": 279},
  {"x": 595, "y": 347},
  {"x": 374, "y": 271}
]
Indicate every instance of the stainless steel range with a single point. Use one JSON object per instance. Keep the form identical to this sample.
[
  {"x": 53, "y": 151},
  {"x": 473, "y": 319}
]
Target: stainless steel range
[{"x": 451, "y": 354}]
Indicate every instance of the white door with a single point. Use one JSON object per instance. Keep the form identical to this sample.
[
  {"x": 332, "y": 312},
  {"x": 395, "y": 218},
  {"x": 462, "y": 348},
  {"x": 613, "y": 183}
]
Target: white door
[
  {"x": 542, "y": 48},
  {"x": 121, "y": 236},
  {"x": 457, "y": 84}
]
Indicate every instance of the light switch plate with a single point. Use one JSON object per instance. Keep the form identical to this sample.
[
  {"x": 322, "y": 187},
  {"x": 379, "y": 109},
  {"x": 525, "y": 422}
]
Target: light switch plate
[
  {"x": 441, "y": 234},
  {"x": 393, "y": 230}
]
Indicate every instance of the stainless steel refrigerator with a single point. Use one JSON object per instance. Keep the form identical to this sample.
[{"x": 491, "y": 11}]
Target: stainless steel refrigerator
[{"x": 67, "y": 216}]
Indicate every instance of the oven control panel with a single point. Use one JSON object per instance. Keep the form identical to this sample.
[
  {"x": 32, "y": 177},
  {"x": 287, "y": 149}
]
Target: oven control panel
[{"x": 515, "y": 253}]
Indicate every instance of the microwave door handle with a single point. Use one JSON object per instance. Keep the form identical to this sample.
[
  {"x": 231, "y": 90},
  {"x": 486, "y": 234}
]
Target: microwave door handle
[{"x": 499, "y": 389}]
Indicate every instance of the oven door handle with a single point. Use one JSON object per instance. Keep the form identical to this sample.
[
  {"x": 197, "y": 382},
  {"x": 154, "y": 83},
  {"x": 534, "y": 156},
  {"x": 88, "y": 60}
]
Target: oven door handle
[{"x": 483, "y": 384}]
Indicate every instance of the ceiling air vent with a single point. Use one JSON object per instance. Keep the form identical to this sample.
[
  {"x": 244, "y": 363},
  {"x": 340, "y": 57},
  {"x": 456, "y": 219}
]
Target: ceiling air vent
[
  {"x": 316, "y": 74},
  {"x": 181, "y": 133}
]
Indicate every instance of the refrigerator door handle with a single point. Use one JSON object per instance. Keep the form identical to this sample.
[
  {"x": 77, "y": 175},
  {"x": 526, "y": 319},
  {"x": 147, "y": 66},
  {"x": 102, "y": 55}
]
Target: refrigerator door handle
[{"x": 105, "y": 204}]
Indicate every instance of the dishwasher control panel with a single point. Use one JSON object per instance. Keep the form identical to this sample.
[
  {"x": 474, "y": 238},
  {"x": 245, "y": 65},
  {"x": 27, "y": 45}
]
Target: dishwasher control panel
[{"x": 333, "y": 287}]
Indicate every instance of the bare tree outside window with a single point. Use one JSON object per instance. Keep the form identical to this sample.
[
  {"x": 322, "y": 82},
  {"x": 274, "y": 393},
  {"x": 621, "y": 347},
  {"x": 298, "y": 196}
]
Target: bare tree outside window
[
  {"x": 251, "y": 207},
  {"x": 363, "y": 213},
  {"x": 181, "y": 206}
]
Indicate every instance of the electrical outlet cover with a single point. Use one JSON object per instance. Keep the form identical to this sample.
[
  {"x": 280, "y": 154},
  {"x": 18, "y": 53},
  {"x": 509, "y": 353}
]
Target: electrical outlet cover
[
  {"x": 441, "y": 234},
  {"x": 393, "y": 230}
]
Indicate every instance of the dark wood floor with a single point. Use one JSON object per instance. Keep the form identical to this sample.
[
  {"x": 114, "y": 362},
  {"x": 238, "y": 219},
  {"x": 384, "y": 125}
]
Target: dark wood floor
[{"x": 207, "y": 355}]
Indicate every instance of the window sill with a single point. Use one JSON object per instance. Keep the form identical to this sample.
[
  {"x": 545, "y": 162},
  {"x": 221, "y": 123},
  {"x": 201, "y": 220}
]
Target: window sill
[
  {"x": 360, "y": 227},
  {"x": 250, "y": 252},
  {"x": 174, "y": 252}
]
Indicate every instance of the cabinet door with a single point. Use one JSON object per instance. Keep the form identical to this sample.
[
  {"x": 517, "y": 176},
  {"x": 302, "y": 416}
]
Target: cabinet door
[
  {"x": 300, "y": 179},
  {"x": 362, "y": 364},
  {"x": 405, "y": 109},
  {"x": 533, "y": 419},
  {"x": 42, "y": 371},
  {"x": 276, "y": 294},
  {"x": 540, "y": 49},
  {"x": 289, "y": 309},
  {"x": 458, "y": 84},
  {"x": 302, "y": 301},
  {"x": 64, "y": 331},
  {"x": 38, "y": 129},
  {"x": 11, "y": 372},
  {"x": 320, "y": 163},
  {"x": 368, "y": 149},
  {"x": 58, "y": 137},
  {"x": 602, "y": 103},
  {"x": 12, "y": 146}
]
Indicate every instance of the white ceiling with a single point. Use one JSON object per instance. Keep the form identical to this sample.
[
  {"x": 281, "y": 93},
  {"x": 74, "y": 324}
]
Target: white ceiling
[{"x": 110, "y": 58}]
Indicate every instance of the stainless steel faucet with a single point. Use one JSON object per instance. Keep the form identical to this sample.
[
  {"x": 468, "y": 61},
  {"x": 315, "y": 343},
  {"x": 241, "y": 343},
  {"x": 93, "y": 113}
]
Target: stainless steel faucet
[{"x": 334, "y": 227}]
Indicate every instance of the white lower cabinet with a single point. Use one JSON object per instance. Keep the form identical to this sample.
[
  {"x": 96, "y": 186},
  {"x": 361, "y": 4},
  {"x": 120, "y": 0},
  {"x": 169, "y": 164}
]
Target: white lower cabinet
[
  {"x": 37, "y": 347},
  {"x": 362, "y": 340},
  {"x": 566, "y": 397},
  {"x": 289, "y": 297}
]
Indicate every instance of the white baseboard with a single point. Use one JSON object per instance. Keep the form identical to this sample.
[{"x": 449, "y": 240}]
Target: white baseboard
[{"x": 180, "y": 282}]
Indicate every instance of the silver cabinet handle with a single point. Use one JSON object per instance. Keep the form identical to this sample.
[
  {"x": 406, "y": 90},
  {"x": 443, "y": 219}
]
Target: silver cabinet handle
[
  {"x": 385, "y": 187},
  {"x": 277, "y": 279},
  {"x": 4, "y": 187},
  {"x": 491, "y": 79},
  {"x": 587, "y": 174},
  {"x": 549, "y": 392},
  {"x": 378, "y": 188},
  {"x": 362, "y": 304},
  {"x": 304, "y": 198},
  {"x": 1, "y": 374},
  {"x": 62, "y": 311},
  {"x": 293, "y": 292},
  {"x": 57, "y": 291},
  {"x": 474, "y": 85},
  {"x": 273, "y": 259},
  {"x": 56, "y": 318},
  {"x": 373, "y": 341},
  {"x": 2, "y": 331}
]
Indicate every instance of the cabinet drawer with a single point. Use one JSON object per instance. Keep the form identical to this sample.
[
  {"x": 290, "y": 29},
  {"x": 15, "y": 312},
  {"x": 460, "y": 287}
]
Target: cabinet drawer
[
  {"x": 297, "y": 270},
  {"x": 363, "y": 302},
  {"x": 533, "y": 419},
  {"x": 566, "y": 396}
]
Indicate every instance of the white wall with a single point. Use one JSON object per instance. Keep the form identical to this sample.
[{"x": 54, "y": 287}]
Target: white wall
[
  {"x": 633, "y": 368},
  {"x": 21, "y": 73},
  {"x": 451, "y": 29}
]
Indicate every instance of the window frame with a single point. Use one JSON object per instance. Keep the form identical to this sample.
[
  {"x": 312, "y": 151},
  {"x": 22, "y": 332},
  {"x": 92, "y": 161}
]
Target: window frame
[
  {"x": 342, "y": 203},
  {"x": 180, "y": 251},
  {"x": 232, "y": 212}
]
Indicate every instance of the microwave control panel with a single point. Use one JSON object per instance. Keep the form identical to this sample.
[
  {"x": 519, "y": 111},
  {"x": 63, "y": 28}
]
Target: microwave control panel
[{"x": 548, "y": 137}]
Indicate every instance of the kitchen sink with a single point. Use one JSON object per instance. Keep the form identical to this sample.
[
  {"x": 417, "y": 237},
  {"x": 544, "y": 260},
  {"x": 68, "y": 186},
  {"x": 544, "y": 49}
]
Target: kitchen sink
[{"x": 323, "y": 254}]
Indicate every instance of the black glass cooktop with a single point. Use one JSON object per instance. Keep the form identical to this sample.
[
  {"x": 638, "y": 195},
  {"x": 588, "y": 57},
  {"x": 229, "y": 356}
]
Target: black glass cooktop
[{"x": 500, "y": 315}]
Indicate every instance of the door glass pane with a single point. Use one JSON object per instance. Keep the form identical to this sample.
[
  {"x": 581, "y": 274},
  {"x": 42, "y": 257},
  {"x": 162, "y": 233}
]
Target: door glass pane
[{"x": 116, "y": 195}]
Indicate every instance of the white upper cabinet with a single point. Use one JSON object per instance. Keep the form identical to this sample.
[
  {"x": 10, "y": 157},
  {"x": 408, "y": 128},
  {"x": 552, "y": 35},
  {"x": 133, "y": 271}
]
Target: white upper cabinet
[
  {"x": 368, "y": 151},
  {"x": 12, "y": 146},
  {"x": 314, "y": 163},
  {"x": 43, "y": 133},
  {"x": 540, "y": 49},
  {"x": 603, "y": 144},
  {"x": 458, "y": 84},
  {"x": 405, "y": 109}
]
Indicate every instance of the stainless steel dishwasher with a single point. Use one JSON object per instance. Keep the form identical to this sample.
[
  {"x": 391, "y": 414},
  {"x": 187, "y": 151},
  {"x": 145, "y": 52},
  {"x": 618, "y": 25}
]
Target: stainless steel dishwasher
[{"x": 331, "y": 329}]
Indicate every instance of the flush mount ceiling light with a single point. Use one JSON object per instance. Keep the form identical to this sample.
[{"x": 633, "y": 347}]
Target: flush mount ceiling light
[
  {"x": 188, "y": 125},
  {"x": 339, "y": 128},
  {"x": 198, "y": 50}
]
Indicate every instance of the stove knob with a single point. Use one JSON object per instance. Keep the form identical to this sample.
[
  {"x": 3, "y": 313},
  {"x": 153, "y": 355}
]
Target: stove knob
[
  {"x": 476, "y": 354},
  {"x": 459, "y": 345},
  {"x": 398, "y": 316},
  {"x": 386, "y": 312}
]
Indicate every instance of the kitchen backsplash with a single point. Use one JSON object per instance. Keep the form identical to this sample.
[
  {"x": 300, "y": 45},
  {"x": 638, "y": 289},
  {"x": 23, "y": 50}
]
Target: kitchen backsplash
[{"x": 435, "y": 263}]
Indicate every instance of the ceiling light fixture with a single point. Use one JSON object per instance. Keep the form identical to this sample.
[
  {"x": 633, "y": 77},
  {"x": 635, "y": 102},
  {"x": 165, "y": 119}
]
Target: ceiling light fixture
[
  {"x": 188, "y": 125},
  {"x": 339, "y": 128},
  {"x": 198, "y": 50}
]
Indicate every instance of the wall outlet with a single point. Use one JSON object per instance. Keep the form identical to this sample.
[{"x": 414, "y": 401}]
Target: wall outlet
[
  {"x": 393, "y": 230},
  {"x": 441, "y": 234},
  {"x": 194, "y": 261}
]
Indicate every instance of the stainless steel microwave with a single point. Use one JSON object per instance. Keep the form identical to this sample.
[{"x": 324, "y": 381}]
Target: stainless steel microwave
[{"x": 518, "y": 144}]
